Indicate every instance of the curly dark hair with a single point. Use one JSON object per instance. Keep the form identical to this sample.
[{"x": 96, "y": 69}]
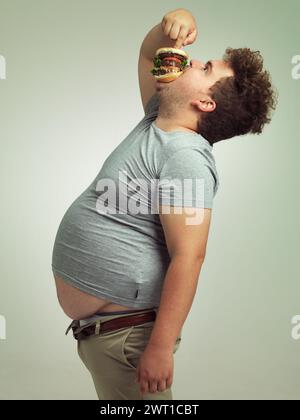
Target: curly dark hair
[{"x": 244, "y": 101}]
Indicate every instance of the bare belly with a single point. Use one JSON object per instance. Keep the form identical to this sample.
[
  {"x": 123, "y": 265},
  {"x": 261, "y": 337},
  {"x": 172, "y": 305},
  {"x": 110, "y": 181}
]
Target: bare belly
[{"x": 77, "y": 304}]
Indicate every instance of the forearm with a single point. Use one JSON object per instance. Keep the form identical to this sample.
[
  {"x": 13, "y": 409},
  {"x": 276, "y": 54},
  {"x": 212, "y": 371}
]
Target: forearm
[{"x": 180, "y": 285}]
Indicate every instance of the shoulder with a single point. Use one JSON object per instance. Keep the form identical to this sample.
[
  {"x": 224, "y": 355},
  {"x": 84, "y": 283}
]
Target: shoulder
[{"x": 189, "y": 162}]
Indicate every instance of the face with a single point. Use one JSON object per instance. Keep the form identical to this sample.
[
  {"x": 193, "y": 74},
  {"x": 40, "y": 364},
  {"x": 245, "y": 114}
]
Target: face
[{"x": 192, "y": 87}]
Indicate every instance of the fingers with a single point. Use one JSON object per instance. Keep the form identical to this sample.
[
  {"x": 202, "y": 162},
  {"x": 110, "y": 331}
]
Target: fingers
[
  {"x": 167, "y": 26},
  {"x": 154, "y": 386},
  {"x": 162, "y": 386},
  {"x": 191, "y": 38},
  {"x": 144, "y": 387},
  {"x": 182, "y": 36},
  {"x": 176, "y": 32},
  {"x": 169, "y": 381}
]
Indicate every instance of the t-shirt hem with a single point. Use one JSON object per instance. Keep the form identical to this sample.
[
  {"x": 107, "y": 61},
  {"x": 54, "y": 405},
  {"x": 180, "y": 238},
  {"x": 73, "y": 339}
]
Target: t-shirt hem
[
  {"x": 206, "y": 205},
  {"x": 137, "y": 304}
]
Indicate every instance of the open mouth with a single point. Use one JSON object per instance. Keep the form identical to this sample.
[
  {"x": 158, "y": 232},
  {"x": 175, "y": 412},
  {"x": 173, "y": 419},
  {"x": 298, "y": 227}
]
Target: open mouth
[{"x": 169, "y": 64}]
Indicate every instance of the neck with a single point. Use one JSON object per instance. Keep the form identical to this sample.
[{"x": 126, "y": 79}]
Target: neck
[{"x": 175, "y": 124}]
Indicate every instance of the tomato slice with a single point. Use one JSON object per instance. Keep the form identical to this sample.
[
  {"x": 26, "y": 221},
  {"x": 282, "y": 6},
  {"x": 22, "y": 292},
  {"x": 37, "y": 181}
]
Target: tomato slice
[{"x": 172, "y": 59}]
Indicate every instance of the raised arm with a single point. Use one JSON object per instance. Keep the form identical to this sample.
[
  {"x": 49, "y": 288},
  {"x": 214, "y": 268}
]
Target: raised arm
[{"x": 177, "y": 29}]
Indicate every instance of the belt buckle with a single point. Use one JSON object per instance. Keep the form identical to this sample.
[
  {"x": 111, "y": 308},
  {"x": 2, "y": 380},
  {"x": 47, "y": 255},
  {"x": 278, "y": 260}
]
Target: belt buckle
[
  {"x": 80, "y": 334},
  {"x": 78, "y": 330}
]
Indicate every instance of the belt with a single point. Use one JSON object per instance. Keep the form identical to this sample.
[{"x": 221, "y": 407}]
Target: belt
[{"x": 98, "y": 327}]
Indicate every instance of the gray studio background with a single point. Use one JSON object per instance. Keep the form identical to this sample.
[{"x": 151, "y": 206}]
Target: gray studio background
[{"x": 70, "y": 96}]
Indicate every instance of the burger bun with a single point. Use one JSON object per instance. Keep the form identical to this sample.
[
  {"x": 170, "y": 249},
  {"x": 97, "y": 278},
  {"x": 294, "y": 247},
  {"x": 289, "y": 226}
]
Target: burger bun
[
  {"x": 172, "y": 50},
  {"x": 168, "y": 77}
]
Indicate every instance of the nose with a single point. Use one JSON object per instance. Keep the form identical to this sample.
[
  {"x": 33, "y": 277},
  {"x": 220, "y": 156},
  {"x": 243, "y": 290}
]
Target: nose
[{"x": 197, "y": 64}]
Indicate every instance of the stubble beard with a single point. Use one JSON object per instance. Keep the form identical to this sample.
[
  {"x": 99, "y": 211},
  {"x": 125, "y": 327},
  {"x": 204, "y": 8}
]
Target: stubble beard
[{"x": 171, "y": 102}]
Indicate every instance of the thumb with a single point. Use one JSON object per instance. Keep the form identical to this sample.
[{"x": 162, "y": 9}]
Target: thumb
[
  {"x": 137, "y": 378},
  {"x": 191, "y": 38}
]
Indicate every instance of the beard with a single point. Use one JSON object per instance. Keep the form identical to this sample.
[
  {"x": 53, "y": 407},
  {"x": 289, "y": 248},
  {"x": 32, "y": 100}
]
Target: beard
[{"x": 171, "y": 100}]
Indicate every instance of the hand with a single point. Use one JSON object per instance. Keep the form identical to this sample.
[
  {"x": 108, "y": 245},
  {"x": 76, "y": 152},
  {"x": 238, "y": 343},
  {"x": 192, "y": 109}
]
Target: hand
[
  {"x": 180, "y": 25},
  {"x": 155, "y": 370}
]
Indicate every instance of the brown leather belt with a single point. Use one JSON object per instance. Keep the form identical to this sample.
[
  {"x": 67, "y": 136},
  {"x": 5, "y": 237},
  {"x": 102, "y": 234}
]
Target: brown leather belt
[{"x": 81, "y": 332}]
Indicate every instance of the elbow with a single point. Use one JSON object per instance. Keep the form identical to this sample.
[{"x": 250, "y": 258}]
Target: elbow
[
  {"x": 199, "y": 259},
  {"x": 189, "y": 258}
]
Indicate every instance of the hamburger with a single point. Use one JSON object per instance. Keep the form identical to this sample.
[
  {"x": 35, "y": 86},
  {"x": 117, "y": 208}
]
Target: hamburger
[{"x": 169, "y": 64}]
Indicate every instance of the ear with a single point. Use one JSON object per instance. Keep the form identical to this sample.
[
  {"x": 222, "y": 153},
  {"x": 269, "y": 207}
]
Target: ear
[{"x": 208, "y": 105}]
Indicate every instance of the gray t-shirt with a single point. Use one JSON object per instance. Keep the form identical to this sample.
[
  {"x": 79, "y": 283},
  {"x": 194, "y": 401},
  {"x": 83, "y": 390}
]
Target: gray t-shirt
[{"x": 120, "y": 255}]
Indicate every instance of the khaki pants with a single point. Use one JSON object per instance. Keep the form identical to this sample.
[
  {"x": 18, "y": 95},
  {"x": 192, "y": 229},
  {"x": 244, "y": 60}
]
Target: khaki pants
[{"x": 112, "y": 358}]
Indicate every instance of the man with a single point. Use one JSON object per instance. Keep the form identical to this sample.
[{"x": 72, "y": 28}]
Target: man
[{"x": 128, "y": 278}]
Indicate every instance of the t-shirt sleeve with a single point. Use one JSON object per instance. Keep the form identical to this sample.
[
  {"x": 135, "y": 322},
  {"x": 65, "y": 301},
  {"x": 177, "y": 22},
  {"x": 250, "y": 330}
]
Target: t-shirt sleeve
[{"x": 187, "y": 180}]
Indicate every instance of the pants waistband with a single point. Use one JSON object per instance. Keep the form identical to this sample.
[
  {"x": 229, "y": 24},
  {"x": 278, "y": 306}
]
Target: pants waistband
[{"x": 106, "y": 317}]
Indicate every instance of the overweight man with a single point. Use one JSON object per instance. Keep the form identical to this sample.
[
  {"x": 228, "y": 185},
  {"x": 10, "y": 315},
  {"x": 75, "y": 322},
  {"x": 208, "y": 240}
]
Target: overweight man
[{"x": 129, "y": 250}]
